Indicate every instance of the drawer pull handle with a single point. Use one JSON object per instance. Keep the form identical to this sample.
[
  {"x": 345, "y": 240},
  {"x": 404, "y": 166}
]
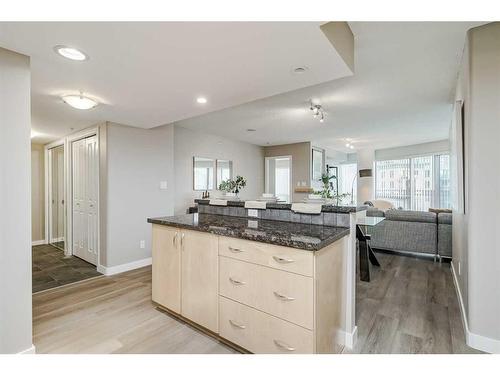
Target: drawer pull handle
[
  {"x": 283, "y": 297},
  {"x": 235, "y": 249},
  {"x": 236, "y": 282},
  {"x": 237, "y": 325},
  {"x": 282, "y": 260},
  {"x": 282, "y": 345}
]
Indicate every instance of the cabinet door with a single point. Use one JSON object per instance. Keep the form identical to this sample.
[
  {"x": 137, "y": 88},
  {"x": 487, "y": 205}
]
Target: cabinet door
[
  {"x": 200, "y": 278},
  {"x": 166, "y": 288}
]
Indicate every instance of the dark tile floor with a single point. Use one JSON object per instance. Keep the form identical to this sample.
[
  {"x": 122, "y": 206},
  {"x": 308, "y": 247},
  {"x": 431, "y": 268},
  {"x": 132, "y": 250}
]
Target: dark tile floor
[
  {"x": 51, "y": 269},
  {"x": 59, "y": 244}
]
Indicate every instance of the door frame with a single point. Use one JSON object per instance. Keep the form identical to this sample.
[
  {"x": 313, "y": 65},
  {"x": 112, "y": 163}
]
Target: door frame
[
  {"x": 266, "y": 170},
  {"x": 94, "y": 131},
  {"x": 48, "y": 189}
]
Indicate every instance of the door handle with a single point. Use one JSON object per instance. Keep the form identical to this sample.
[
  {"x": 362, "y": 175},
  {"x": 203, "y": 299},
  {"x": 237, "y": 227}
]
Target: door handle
[
  {"x": 237, "y": 325},
  {"x": 182, "y": 241},
  {"x": 236, "y": 282},
  {"x": 282, "y": 260},
  {"x": 283, "y": 297},
  {"x": 174, "y": 239},
  {"x": 284, "y": 346}
]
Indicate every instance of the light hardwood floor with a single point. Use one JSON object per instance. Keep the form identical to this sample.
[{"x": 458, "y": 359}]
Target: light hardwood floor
[
  {"x": 409, "y": 307},
  {"x": 112, "y": 315}
]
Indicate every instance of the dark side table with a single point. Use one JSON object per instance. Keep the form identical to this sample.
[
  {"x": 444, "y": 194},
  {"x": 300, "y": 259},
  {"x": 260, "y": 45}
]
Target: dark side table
[{"x": 364, "y": 225}]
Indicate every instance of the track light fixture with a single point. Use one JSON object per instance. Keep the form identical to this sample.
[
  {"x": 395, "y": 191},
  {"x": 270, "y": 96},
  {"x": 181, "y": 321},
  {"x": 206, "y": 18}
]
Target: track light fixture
[{"x": 317, "y": 111}]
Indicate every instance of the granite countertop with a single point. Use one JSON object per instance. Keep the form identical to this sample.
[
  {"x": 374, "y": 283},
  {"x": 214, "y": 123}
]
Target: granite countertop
[
  {"x": 300, "y": 236},
  {"x": 288, "y": 206}
]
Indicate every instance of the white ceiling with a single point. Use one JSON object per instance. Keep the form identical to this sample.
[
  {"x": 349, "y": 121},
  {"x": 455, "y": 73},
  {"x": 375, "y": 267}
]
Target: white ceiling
[
  {"x": 149, "y": 74},
  {"x": 401, "y": 93}
]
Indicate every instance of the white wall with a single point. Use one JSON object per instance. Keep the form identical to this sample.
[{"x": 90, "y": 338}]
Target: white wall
[
  {"x": 37, "y": 192},
  {"x": 413, "y": 150},
  {"x": 248, "y": 161},
  {"x": 137, "y": 160},
  {"x": 484, "y": 182},
  {"x": 479, "y": 86},
  {"x": 15, "y": 203},
  {"x": 365, "y": 159}
]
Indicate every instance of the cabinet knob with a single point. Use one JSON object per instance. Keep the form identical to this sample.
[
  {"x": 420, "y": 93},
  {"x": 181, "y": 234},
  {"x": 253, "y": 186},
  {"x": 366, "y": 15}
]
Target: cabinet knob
[
  {"x": 283, "y": 297},
  {"x": 282, "y": 260},
  {"x": 234, "y": 249},
  {"x": 236, "y": 282},
  {"x": 237, "y": 325},
  {"x": 284, "y": 346}
]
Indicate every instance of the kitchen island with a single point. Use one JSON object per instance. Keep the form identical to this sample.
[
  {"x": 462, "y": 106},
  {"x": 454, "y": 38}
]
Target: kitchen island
[{"x": 262, "y": 286}]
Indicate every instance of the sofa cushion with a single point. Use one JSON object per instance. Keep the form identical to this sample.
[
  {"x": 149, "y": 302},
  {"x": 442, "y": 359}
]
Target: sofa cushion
[
  {"x": 413, "y": 216},
  {"x": 374, "y": 212},
  {"x": 444, "y": 218}
]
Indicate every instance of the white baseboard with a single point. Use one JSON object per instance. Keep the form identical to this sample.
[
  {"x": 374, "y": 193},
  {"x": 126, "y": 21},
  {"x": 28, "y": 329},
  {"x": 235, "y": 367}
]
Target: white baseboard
[
  {"x": 108, "y": 271},
  {"x": 486, "y": 344},
  {"x": 30, "y": 350},
  {"x": 38, "y": 242},
  {"x": 351, "y": 338}
]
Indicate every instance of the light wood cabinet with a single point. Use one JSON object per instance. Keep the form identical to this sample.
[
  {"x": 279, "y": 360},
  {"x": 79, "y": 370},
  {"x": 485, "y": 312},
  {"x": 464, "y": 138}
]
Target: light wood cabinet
[
  {"x": 264, "y": 298},
  {"x": 200, "y": 269},
  {"x": 166, "y": 278}
]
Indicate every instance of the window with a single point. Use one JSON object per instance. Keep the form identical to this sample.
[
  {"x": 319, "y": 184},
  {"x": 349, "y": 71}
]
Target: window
[
  {"x": 348, "y": 182},
  {"x": 428, "y": 187}
]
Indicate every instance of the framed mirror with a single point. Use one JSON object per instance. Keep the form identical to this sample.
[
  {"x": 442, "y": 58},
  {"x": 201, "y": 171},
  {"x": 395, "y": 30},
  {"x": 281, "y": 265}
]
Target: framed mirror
[
  {"x": 203, "y": 173},
  {"x": 224, "y": 171}
]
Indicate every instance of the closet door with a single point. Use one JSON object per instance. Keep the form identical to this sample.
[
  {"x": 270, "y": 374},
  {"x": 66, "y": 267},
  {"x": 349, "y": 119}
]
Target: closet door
[
  {"x": 92, "y": 160},
  {"x": 85, "y": 197},
  {"x": 79, "y": 212}
]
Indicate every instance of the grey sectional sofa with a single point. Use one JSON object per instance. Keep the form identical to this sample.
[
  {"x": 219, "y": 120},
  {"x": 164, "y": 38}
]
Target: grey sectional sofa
[{"x": 415, "y": 232}]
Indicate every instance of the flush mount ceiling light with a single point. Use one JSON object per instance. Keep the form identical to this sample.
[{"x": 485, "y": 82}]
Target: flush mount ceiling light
[
  {"x": 71, "y": 53},
  {"x": 79, "y": 101},
  {"x": 201, "y": 100},
  {"x": 317, "y": 111}
]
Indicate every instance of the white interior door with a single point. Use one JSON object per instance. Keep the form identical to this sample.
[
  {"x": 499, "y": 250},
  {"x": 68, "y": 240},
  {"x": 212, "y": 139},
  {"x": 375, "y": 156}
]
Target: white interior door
[{"x": 84, "y": 183}]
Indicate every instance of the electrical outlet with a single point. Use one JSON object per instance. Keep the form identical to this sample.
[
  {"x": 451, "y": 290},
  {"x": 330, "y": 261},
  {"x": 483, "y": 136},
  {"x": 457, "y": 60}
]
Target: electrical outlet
[
  {"x": 142, "y": 244},
  {"x": 163, "y": 185},
  {"x": 253, "y": 213}
]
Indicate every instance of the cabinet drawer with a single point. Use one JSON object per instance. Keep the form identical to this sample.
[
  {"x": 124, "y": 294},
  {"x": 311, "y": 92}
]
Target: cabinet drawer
[
  {"x": 261, "y": 333},
  {"x": 279, "y": 257},
  {"x": 283, "y": 294}
]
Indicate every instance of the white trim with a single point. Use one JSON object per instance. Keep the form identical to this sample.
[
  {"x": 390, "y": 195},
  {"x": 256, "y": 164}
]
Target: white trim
[
  {"x": 30, "y": 350},
  {"x": 486, "y": 344},
  {"x": 38, "y": 242},
  {"x": 108, "y": 271},
  {"x": 351, "y": 338}
]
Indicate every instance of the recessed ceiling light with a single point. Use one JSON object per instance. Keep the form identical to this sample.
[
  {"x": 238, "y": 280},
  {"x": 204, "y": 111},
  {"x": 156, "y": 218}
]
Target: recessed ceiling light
[
  {"x": 201, "y": 100},
  {"x": 79, "y": 101},
  {"x": 251, "y": 130},
  {"x": 351, "y": 146},
  {"x": 71, "y": 53},
  {"x": 300, "y": 69}
]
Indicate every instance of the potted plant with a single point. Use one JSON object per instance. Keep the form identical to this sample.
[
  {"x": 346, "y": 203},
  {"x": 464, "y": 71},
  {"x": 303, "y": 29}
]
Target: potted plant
[
  {"x": 232, "y": 187},
  {"x": 327, "y": 192}
]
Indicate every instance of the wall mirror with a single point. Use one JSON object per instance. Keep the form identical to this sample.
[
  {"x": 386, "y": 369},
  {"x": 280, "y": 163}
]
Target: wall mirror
[
  {"x": 224, "y": 171},
  {"x": 203, "y": 173}
]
